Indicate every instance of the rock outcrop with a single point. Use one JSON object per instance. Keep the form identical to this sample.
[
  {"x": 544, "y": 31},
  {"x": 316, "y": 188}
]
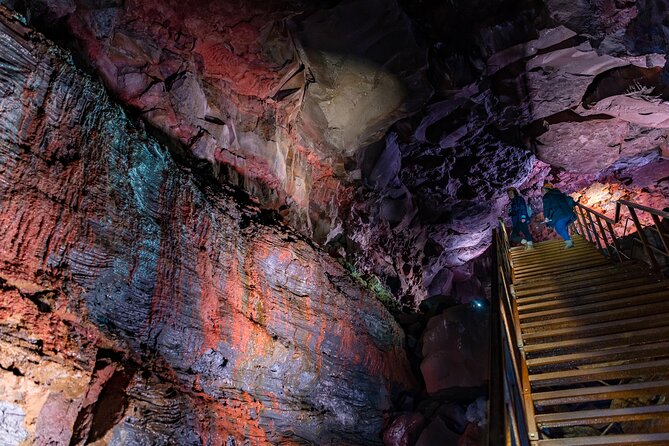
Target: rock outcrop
[{"x": 141, "y": 303}]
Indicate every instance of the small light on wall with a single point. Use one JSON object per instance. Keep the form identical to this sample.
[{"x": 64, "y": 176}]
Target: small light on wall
[{"x": 478, "y": 304}]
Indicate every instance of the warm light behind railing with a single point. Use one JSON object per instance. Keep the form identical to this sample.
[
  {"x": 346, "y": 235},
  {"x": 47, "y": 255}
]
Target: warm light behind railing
[{"x": 649, "y": 228}]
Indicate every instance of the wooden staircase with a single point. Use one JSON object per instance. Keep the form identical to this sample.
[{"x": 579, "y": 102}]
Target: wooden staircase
[{"x": 594, "y": 341}]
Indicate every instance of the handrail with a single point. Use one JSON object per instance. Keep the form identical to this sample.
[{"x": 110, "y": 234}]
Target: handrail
[
  {"x": 511, "y": 410},
  {"x": 599, "y": 214},
  {"x": 599, "y": 229},
  {"x": 640, "y": 207}
]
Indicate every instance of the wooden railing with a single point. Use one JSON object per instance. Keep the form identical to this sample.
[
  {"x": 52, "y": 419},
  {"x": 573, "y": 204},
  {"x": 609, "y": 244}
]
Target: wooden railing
[
  {"x": 600, "y": 230},
  {"x": 511, "y": 410}
]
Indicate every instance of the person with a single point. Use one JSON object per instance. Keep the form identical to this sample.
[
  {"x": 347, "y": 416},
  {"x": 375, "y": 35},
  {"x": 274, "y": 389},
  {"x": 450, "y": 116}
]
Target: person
[
  {"x": 520, "y": 219},
  {"x": 558, "y": 212}
]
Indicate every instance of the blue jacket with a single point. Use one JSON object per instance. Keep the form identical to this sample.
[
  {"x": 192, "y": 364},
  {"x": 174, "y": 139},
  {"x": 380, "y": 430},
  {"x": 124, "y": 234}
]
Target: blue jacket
[
  {"x": 518, "y": 209},
  {"x": 557, "y": 206}
]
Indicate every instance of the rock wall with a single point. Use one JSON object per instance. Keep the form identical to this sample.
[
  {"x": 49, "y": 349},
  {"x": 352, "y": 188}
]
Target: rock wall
[
  {"x": 389, "y": 130},
  {"x": 278, "y": 95},
  {"x": 141, "y": 303}
]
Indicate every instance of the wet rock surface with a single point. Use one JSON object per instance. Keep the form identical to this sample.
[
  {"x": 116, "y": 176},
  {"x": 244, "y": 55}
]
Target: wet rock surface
[{"x": 145, "y": 305}]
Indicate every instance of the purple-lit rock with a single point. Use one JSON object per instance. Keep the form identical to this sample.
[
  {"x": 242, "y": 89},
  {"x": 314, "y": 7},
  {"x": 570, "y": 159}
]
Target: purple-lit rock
[{"x": 455, "y": 348}]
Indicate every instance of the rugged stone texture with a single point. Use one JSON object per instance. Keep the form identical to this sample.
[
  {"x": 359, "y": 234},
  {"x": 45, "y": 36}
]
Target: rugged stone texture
[
  {"x": 293, "y": 102},
  {"x": 277, "y": 95},
  {"x": 455, "y": 349},
  {"x": 324, "y": 112},
  {"x": 563, "y": 91},
  {"x": 147, "y": 306}
]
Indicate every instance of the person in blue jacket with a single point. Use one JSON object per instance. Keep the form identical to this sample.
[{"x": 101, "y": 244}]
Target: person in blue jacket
[
  {"x": 558, "y": 212},
  {"x": 520, "y": 219}
]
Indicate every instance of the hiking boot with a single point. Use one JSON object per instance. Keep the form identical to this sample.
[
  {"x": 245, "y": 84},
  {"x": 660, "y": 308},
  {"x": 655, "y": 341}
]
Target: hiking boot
[
  {"x": 529, "y": 245},
  {"x": 523, "y": 242},
  {"x": 568, "y": 244}
]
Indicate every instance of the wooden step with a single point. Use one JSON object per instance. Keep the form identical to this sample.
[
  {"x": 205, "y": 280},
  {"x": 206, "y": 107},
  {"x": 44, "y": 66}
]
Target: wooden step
[
  {"x": 538, "y": 255},
  {"x": 585, "y": 257},
  {"x": 636, "y": 352},
  {"x": 526, "y": 273},
  {"x": 598, "y": 329},
  {"x": 624, "y": 338},
  {"x": 661, "y": 439},
  {"x": 552, "y": 242},
  {"x": 601, "y": 393},
  {"x": 579, "y": 289},
  {"x": 619, "y": 300},
  {"x": 599, "y": 272},
  {"x": 569, "y": 377},
  {"x": 594, "y": 318},
  {"x": 600, "y": 416}
]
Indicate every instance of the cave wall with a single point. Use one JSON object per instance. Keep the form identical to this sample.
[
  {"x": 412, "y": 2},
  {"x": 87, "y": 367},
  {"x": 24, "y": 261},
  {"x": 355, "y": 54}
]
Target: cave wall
[
  {"x": 385, "y": 132},
  {"x": 141, "y": 303},
  {"x": 389, "y": 130},
  {"x": 278, "y": 95}
]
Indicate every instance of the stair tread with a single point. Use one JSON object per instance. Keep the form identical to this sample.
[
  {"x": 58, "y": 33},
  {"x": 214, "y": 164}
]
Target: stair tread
[
  {"x": 599, "y": 373},
  {"x": 541, "y": 285},
  {"x": 639, "y": 284},
  {"x": 596, "y": 416},
  {"x": 594, "y": 305},
  {"x": 593, "y": 341},
  {"x": 608, "y": 315},
  {"x": 602, "y": 328},
  {"x": 600, "y": 393},
  {"x": 610, "y": 440}
]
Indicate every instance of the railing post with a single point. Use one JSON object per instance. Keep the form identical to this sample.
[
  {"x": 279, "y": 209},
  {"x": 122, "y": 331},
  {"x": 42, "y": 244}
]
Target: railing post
[
  {"x": 644, "y": 240},
  {"x": 660, "y": 233},
  {"x": 587, "y": 235},
  {"x": 594, "y": 230},
  {"x": 615, "y": 240},
  {"x": 603, "y": 232},
  {"x": 580, "y": 224}
]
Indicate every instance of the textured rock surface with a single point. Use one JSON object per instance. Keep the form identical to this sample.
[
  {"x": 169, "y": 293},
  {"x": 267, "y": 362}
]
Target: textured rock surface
[
  {"x": 144, "y": 306},
  {"x": 571, "y": 92},
  {"x": 326, "y": 111},
  {"x": 278, "y": 95},
  {"x": 455, "y": 349},
  {"x": 385, "y": 131}
]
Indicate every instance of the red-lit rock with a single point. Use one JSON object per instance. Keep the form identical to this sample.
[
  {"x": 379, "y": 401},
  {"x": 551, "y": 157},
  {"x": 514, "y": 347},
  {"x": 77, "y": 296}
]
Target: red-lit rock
[
  {"x": 279, "y": 93},
  {"x": 148, "y": 305},
  {"x": 404, "y": 430}
]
